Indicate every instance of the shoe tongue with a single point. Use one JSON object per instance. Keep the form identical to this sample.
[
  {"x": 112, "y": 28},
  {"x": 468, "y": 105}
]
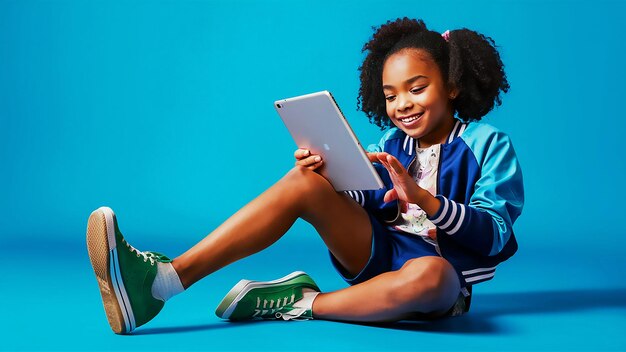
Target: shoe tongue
[{"x": 159, "y": 257}]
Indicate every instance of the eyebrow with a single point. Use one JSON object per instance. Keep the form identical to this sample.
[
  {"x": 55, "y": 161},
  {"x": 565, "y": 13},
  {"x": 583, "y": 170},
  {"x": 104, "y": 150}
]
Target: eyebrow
[{"x": 408, "y": 81}]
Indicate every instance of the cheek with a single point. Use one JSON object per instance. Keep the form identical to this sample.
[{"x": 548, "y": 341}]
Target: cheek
[
  {"x": 433, "y": 103},
  {"x": 389, "y": 108}
]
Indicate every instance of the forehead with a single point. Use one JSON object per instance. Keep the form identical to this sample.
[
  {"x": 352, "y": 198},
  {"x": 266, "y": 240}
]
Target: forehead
[{"x": 408, "y": 63}]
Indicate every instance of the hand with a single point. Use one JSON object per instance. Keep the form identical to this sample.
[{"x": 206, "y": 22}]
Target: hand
[
  {"x": 405, "y": 189},
  {"x": 305, "y": 159}
]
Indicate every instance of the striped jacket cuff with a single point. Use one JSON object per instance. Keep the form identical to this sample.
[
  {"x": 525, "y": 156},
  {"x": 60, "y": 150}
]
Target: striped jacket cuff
[
  {"x": 475, "y": 276},
  {"x": 450, "y": 216},
  {"x": 358, "y": 196}
]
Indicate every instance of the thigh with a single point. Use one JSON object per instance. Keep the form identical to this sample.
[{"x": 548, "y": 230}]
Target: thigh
[
  {"x": 343, "y": 224},
  {"x": 380, "y": 259}
]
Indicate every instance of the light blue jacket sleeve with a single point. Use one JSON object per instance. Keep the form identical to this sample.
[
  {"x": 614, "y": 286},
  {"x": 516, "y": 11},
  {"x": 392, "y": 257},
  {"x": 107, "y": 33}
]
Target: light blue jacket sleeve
[
  {"x": 380, "y": 146},
  {"x": 485, "y": 224}
]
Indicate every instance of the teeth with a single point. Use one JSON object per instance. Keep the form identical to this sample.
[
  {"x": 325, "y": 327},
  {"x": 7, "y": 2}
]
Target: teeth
[{"x": 407, "y": 120}]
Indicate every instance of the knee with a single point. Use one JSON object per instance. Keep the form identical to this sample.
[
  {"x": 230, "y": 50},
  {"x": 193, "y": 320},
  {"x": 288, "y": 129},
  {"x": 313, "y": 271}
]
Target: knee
[
  {"x": 430, "y": 282},
  {"x": 306, "y": 183}
]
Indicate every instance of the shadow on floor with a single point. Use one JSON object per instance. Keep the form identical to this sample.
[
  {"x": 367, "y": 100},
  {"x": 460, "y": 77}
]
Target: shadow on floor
[
  {"x": 535, "y": 302},
  {"x": 190, "y": 328},
  {"x": 486, "y": 308}
]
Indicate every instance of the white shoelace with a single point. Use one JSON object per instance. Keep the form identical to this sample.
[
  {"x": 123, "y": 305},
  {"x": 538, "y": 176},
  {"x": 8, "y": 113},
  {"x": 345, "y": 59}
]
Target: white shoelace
[
  {"x": 266, "y": 307},
  {"x": 146, "y": 256}
]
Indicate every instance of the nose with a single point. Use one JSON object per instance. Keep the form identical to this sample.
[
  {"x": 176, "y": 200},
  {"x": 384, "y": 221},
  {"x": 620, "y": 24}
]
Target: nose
[{"x": 404, "y": 103}]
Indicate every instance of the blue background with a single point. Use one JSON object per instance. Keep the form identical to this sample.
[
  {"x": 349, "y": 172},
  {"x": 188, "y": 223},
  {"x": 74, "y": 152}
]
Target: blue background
[{"x": 163, "y": 111}]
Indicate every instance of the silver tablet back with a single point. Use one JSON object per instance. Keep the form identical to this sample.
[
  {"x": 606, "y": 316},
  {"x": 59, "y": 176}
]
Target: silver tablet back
[{"x": 316, "y": 123}]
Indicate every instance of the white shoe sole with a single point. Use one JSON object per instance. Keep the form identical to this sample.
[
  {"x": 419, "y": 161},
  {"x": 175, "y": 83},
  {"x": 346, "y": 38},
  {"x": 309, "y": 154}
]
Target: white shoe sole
[
  {"x": 102, "y": 249},
  {"x": 226, "y": 308}
]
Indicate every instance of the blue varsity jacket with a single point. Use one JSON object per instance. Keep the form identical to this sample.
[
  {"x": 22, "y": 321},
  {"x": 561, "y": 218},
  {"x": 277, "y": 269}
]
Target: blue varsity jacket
[{"x": 481, "y": 192}]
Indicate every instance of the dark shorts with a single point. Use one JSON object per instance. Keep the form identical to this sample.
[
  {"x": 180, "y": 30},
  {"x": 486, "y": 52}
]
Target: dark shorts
[{"x": 390, "y": 251}]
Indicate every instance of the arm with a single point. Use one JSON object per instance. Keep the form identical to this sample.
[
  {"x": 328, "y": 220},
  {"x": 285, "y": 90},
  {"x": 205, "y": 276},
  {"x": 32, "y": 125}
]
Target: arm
[{"x": 486, "y": 223}]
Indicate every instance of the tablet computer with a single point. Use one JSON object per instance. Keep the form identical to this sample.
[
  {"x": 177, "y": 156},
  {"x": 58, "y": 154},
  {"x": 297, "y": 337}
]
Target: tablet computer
[{"x": 316, "y": 123}]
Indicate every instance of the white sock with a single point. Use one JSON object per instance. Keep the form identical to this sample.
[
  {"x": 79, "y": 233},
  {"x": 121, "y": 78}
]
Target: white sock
[
  {"x": 166, "y": 283},
  {"x": 308, "y": 296}
]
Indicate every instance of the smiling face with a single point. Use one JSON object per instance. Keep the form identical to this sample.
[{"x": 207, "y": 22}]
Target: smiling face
[{"x": 418, "y": 101}]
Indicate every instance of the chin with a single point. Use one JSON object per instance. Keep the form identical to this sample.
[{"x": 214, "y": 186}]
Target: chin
[{"x": 415, "y": 133}]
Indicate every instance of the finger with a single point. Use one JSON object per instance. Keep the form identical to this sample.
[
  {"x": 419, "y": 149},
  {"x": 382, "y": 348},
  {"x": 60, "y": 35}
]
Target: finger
[
  {"x": 309, "y": 166},
  {"x": 432, "y": 233},
  {"x": 395, "y": 164},
  {"x": 391, "y": 194},
  {"x": 382, "y": 157},
  {"x": 391, "y": 171},
  {"x": 313, "y": 159},
  {"x": 316, "y": 165},
  {"x": 373, "y": 157},
  {"x": 301, "y": 153},
  {"x": 387, "y": 163}
]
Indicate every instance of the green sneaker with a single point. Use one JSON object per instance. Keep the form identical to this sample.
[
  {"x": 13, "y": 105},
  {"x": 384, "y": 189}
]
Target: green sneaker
[
  {"x": 125, "y": 275},
  {"x": 258, "y": 300}
]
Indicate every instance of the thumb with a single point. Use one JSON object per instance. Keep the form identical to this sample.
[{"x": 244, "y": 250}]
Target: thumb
[{"x": 390, "y": 195}]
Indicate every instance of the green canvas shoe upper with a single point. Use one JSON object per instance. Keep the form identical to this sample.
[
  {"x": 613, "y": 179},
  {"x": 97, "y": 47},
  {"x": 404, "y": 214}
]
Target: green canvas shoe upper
[
  {"x": 254, "y": 300},
  {"x": 138, "y": 270}
]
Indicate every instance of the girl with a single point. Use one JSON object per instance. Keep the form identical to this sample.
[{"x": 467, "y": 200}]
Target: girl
[{"x": 412, "y": 250}]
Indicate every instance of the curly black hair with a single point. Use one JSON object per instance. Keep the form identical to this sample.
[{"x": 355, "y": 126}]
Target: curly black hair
[{"x": 467, "y": 60}]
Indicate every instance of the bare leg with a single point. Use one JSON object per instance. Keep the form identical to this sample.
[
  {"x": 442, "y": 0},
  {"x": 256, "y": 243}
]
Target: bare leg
[
  {"x": 425, "y": 285},
  {"x": 343, "y": 225}
]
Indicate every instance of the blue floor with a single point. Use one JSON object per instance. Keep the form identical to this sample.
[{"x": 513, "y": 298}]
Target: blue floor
[
  {"x": 50, "y": 301},
  {"x": 163, "y": 111}
]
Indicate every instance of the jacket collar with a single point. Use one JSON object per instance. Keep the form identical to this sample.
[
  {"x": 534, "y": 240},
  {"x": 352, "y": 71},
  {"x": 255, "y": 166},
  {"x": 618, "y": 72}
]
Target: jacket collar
[{"x": 410, "y": 145}]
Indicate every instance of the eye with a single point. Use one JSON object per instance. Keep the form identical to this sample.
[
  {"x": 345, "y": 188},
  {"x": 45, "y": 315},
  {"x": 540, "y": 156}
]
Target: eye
[
  {"x": 390, "y": 97},
  {"x": 417, "y": 89}
]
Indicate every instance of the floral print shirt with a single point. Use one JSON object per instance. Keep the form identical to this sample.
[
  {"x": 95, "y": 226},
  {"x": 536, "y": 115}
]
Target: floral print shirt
[{"x": 412, "y": 218}]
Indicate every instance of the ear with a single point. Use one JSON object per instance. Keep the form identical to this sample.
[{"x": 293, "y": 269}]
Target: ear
[{"x": 454, "y": 92}]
